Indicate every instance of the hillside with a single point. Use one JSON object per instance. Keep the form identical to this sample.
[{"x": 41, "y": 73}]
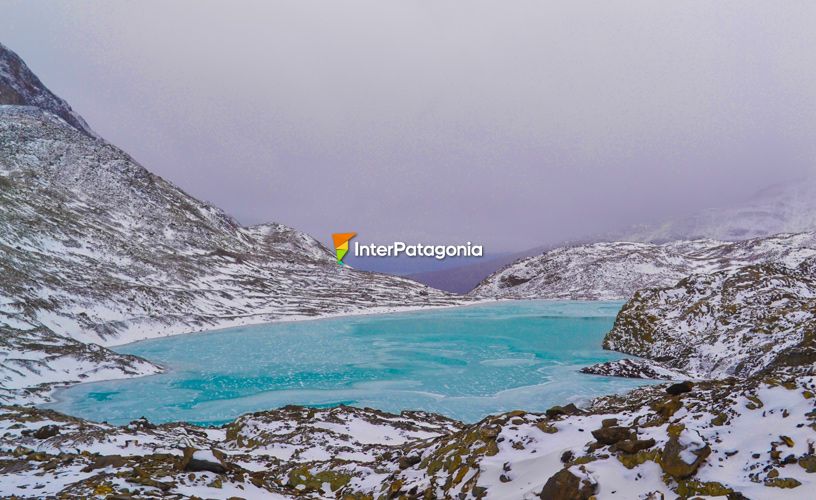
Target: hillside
[
  {"x": 95, "y": 249},
  {"x": 614, "y": 271}
]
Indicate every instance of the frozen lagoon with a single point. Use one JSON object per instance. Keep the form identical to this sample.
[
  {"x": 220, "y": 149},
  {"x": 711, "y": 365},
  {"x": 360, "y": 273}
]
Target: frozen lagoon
[{"x": 464, "y": 362}]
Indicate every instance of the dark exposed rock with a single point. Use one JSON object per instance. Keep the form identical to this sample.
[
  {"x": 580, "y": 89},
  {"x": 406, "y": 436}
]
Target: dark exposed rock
[
  {"x": 191, "y": 464},
  {"x": 679, "y": 388},
  {"x": 513, "y": 280},
  {"x": 19, "y": 86},
  {"x": 46, "y": 431},
  {"x": 104, "y": 461},
  {"x": 609, "y": 422},
  {"x": 407, "y": 461},
  {"x": 634, "y": 445},
  {"x": 557, "y": 411},
  {"x": 611, "y": 435},
  {"x": 564, "y": 485}
]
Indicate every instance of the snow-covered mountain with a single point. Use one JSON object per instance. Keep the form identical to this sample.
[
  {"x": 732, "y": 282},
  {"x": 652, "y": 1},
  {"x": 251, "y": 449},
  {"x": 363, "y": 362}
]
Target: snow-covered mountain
[
  {"x": 782, "y": 208},
  {"x": 614, "y": 271},
  {"x": 96, "y": 249},
  {"x": 20, "y": 87},
  {"x": 778, "y": 209}
]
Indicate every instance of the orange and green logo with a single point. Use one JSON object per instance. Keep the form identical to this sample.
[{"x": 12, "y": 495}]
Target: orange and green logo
[{"x": 341, "y": 244}]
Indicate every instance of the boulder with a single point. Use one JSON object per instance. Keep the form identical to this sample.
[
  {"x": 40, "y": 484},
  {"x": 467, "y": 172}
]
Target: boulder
[
  {"x": 634, "y": 445},
  {"x": 201, "y": 461},
  {"x": 557, "y": 411},
  {"x": 46, "y": 432},
  {"x": 407, "y": 461},
  {"x": 672, "y": 463},
  {"x": 681, "y": 388},
  {"x": 611, "y": 435},
  {"x": 564, "y": 485}
]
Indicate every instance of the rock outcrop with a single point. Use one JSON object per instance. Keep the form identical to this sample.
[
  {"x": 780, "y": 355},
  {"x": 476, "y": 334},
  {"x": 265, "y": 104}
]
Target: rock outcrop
[{"x": 729, "y": 323}]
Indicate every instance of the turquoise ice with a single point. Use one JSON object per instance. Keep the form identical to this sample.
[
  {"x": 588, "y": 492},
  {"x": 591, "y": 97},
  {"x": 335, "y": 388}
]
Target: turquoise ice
[{"x": 464, "y": 362}]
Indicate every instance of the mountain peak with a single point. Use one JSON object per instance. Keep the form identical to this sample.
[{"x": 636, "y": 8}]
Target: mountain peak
[{"x": 19, "y": 86}]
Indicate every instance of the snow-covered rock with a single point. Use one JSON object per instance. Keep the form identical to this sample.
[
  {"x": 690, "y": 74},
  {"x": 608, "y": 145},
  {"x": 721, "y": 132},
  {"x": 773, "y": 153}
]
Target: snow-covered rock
[
  {"x": 634, "y": 368},
  {"x": 730, "y": 323},
  {"x": 615, "y": 270},
  {"x": 730, "y": 438}
]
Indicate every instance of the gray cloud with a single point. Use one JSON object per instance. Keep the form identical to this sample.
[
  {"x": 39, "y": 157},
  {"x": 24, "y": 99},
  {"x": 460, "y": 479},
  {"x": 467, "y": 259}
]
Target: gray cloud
[{"x": 508, "y": 123}]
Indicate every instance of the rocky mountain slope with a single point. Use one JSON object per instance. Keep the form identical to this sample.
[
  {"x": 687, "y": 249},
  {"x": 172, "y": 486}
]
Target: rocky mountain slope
[
  {"x": 614, "y": 271},
  {"x": 96, "y": 249},
  {"x": 729, "y": 323},
  {"x": 20, "y": 87},
  {"x": 782, "y": 208}
]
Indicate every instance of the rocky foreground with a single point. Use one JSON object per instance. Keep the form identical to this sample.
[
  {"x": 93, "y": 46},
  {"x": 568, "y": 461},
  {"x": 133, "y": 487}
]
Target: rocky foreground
[{"x": 730, "y": 438}]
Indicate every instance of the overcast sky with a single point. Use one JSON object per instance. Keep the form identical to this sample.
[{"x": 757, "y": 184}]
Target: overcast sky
[{"x": 510, "y": 124}]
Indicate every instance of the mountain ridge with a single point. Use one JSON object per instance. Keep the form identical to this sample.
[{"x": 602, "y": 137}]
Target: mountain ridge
[
  {"x": 615, "y": 270},
  {"x": 20, "y": 86}
]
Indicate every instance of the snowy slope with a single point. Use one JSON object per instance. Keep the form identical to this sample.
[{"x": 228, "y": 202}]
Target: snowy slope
[
  {"x": 94, "y": 248},
  {"x": 608, "y": 271}
]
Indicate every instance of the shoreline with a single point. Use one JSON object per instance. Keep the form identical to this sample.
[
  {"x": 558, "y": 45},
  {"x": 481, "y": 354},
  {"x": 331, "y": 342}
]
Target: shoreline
[{"x": 527, "y": 307}]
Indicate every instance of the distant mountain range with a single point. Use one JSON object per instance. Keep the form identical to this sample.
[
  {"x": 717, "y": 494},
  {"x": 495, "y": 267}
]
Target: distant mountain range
[
  {"x": 784, "y": 208},
  {"x": 462, "y": 279},
  {"x": 616, "y": 270}
]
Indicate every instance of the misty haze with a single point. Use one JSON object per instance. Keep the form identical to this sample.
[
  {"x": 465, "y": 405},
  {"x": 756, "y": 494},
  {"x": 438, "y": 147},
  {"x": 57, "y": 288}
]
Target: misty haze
[
  {"x": 455, "y": 250},
  {"x": 516, "y": 125}
]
